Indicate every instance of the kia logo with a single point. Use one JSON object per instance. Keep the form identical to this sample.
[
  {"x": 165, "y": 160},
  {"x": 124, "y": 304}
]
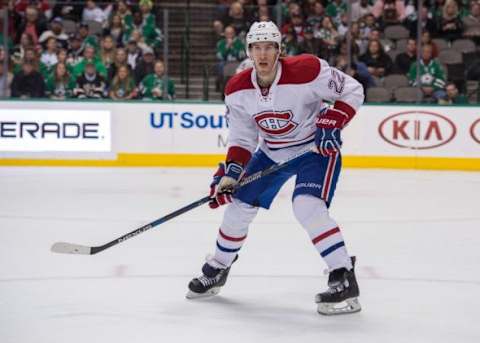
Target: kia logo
[
  {"x": 417, "y": 130},
  {"x": 475, "y": 131}
]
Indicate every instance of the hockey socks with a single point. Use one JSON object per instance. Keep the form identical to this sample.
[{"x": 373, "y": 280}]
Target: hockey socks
[
  {"x": 312, "y": 213},
  {"x": 233, "y": 231}
]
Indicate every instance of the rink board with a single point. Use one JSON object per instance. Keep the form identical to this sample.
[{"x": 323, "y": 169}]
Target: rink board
[{"x": 189, "y": 134}]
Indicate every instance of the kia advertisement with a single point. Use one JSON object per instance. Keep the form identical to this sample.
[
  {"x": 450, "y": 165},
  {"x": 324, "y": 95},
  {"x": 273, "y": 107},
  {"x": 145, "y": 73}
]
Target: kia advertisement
[{"x": 417, "y": 130}]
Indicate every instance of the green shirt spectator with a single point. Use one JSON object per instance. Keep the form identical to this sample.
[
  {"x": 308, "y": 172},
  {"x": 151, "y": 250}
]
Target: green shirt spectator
[
  {"x": 230, "y": 48},
  {"x": 89, "y": 56},
  {"x": 432, "y": 76},
  {"x": 153, "y": 86},
  {"x": 59, "y": 84}
]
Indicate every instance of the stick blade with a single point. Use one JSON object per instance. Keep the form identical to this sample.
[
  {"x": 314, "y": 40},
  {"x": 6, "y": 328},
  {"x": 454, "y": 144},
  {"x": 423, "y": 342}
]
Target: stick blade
[{"x": 69, "y": 248}]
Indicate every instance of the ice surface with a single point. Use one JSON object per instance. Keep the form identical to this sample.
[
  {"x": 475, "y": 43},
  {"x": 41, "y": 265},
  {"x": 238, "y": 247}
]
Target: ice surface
[{"x": 416, "y": 235}]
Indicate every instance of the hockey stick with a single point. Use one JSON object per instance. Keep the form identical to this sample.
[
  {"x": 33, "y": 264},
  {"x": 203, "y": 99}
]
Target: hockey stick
[{"x": 71, "y": 248}]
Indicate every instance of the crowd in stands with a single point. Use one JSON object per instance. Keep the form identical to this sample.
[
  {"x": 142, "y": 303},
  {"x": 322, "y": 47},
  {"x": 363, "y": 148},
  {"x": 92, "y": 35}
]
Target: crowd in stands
[
  {"x": 90, "y": 50},
  {"x": 383, "y": 35}
]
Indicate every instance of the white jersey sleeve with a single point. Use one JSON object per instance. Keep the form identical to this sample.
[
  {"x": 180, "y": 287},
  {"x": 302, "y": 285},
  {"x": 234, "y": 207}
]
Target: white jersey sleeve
[{"x": 335, "y": 86}]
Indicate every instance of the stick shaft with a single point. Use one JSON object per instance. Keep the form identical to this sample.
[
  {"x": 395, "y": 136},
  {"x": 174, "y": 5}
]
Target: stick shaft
[{"x": 191, "y": 206}]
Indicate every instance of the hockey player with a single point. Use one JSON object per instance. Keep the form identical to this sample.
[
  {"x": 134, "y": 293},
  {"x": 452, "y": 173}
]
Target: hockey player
[{"x": 278, "y": 105}]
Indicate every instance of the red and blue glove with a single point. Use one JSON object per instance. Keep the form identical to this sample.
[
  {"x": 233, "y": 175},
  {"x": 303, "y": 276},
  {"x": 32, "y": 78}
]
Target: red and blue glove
[
  {"x": 329, "y": 123},
  {"x": 223, "y": 184}
]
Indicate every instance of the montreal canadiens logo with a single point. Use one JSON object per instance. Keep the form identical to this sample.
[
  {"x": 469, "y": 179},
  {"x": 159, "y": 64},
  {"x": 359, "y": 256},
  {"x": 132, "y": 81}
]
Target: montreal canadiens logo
[
  {"x": 417, "y": 130},
  {"x": 275, "y": 123}
]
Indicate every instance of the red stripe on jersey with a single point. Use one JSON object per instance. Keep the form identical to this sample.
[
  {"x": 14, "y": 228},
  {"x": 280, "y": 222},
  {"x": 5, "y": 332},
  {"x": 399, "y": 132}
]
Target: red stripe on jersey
[
  {"x": 325, "y": 235},
  {"x": 239, "y": 155},
  {"x": 240, "y": 81},
  {"x": 231, "y": 239},
  {"x": 299, "y": 69}
]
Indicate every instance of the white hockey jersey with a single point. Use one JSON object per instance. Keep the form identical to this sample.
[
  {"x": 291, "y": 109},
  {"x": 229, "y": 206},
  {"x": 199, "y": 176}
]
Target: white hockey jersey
[{"x": 283, "y": 121}]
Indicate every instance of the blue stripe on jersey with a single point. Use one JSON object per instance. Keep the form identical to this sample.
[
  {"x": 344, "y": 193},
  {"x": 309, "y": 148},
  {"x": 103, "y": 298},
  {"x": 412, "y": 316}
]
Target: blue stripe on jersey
[
  {"x": 332, "y": 248},
  {"x": 226, "y": 249}
]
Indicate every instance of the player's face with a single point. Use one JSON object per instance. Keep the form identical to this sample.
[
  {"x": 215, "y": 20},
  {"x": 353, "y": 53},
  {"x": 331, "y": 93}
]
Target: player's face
[{"x": 264, "y": 55}]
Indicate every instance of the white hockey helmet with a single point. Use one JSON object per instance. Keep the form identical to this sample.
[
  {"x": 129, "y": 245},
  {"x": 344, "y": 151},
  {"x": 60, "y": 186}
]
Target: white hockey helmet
[{"x": 263, "y": 31}]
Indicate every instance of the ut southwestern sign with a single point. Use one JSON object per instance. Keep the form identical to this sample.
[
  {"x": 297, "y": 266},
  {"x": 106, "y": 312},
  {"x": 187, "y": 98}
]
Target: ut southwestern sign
[
  {"x": 54, "y": 130},
  {"x": 187, "y": 120}
]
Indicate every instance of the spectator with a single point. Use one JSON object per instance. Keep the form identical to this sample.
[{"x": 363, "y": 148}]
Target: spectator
[
  {"x": 360, "y": 9},
  {"x": 296, "y": 23},
  {"x": 471, "y": 22},
  {"x": 432, "y": 76},
  {"x": 92, "y": 12},
  {"x": 62, "y": 57},
  {"x": 378, "y": 62},
  {"x": 75, "y": 50},
  {"x": 5, "y": 81},
  {"x": 335, "y": 9},
  {"x": 404, "y": 60},
  {"x": 86, "y": 37},
  {"x": 427, "y": 40},
  {"x": 119, "y": 60},
  {"x": 389, "y": 11},
  {"x": 328, "y": 35},
  {"x": 230, "y": 48},
  {"x": 236, "y": 17},
  {"x": 452, "y": 96},
  {"x": 152, "y": 35},
  {"x": 428, "y": 24},
  {"x": 59, "y": 84},
  {"x": 90, "y": 84},
  {"x": 116, "y": 29},
  {"x": 28, "y": 83},
  {"x": 32, "y": 56},
  {"x": 290, "y": 46},
  {"x": 89, "y": 57},
  {"x": 123, "y": 11},
  {"x": 263, "y": 13},
  {"x": 68, "y": 9},
  {"x": 49, "y": 56},
  {"x": 310, "y": 44},
  {"x": 107, "y": 50},
  {"x": 123, "y": 86},
  {"x": 133, "y": 53},
  {"x": 450, "y": 26},
  {"x": 315, "y": 17},
  {"x": 368, "y": 24},
  {"x": 154, "y": 87},
  {"x": 32, "y": 25},
  {"x": 26, "y": 42},
  {"x": 139, "y": 40},
  {"x": 357, "y": 70},
  {"x": 56, "y": 31},
  {"x": 42, "y": 6},
  {"x": 145, "y": 66}
]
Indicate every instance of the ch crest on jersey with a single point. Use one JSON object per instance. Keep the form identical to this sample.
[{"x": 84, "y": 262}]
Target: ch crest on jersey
[{"x": 275, "y": 123}]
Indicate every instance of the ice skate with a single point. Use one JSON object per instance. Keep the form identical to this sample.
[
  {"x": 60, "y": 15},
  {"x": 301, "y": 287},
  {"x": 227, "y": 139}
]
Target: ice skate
[
  {"x": 209, "y": 284},
  {"x": 342, "y": 294}
]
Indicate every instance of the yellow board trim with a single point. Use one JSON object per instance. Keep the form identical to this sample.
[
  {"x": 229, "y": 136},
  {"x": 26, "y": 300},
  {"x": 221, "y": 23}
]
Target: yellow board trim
[{"x": 209, "y": 160}]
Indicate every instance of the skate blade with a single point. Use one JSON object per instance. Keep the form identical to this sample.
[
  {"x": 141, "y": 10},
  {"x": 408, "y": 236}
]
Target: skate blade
[
  {"x": 345, "y": 307},
  {"x": 210, "y": 293}
]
